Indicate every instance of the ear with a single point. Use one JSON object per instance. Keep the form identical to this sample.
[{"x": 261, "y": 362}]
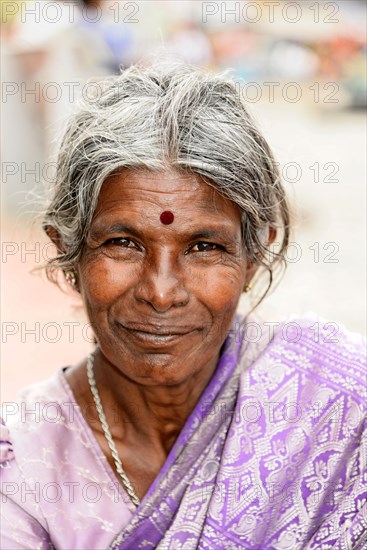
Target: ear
[
  {"x": 252, "y": 266},
  {"x": 55, "y": 237},
  {"x": 271, "y": 235}
]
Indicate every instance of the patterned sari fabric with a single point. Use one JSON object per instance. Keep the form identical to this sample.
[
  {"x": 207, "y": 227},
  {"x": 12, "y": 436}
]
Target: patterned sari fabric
[
  {"x": 273, "y": 457},
  {"x": 274, "y": 454}
]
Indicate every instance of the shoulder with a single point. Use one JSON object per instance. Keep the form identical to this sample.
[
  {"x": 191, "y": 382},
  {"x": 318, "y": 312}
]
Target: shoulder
[
  {"x": 34, "y": 417},
  {"x": 306, "y": 352},
  {"x": 55, "y": 481},
  {"x": 322, "y": 349},
  {"x": 26, "y": 434},
  {"x": 301, "y": 422}
]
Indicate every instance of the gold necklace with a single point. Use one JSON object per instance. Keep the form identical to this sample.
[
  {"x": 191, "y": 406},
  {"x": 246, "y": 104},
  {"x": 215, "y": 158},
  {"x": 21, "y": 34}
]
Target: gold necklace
[{"x": 107, "y": 432}]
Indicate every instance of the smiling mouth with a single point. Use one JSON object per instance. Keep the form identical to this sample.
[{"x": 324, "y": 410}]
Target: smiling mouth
[{"x": 157, "y": 337}]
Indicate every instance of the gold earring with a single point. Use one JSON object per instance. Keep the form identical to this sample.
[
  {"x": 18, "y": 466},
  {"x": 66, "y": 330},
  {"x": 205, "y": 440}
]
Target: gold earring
[
  {"x": 70, "y": 278},
  {"x": 248, "y": 287}
]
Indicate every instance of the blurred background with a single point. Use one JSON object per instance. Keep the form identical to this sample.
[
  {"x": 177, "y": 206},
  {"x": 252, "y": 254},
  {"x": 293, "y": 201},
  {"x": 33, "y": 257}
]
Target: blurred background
[{"x": 301, "y": 67}]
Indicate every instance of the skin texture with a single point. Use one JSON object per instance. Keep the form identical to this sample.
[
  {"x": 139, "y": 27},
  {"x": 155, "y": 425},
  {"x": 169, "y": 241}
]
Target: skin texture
[{"x": 161, "y": 299}]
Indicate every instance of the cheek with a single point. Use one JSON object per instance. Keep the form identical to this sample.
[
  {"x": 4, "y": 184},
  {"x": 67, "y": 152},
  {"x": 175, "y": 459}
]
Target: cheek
[
  {"x": 220, "y": 289},
  {"x": 104, "y": 281}
]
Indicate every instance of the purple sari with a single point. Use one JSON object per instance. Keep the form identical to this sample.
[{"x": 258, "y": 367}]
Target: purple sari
[{"x": 274, "y": 454}]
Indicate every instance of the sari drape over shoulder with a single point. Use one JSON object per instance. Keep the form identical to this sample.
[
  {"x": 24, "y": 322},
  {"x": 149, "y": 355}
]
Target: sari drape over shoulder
[{"x": 274, "y": 456}]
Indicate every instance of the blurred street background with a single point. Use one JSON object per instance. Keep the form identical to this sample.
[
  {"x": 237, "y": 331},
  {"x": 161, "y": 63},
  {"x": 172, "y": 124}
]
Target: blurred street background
[{"x": 300, "y": 66}]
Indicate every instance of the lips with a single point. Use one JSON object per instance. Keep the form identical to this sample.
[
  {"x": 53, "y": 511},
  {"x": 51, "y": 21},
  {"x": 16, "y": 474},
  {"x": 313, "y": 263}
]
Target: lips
[{"x": 157, "y": 334}]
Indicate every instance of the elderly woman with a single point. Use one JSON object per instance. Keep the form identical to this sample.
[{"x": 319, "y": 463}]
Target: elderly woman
[{"x": 188, "y": 426}]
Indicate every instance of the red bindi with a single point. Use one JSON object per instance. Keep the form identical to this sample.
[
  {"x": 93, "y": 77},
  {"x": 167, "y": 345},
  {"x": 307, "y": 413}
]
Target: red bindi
[{"x": 167, "y": 217}]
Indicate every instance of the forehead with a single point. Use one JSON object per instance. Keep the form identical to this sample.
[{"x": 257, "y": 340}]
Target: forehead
[{"x": 146, "y": 192}]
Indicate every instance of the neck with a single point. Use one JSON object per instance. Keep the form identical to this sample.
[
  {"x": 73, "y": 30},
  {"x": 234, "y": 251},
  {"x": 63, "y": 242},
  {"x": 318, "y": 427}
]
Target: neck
[{"x": 152, "y": 415}]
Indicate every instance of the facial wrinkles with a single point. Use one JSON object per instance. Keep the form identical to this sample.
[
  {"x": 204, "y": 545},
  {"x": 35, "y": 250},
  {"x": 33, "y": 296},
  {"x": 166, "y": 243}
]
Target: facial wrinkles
[
  {"x": 164, "y": 251},
  {"x": 142, "y": 207},
  {"x": 159, "y": 282},
  {"x": 183, "y": 191}
]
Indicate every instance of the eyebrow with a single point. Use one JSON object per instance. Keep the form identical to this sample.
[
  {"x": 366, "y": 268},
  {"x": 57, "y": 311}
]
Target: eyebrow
[
  {"x": 204, "y": 233},
  {"x": 211, "y": 234},
  {"x": 116, "y": 228}
]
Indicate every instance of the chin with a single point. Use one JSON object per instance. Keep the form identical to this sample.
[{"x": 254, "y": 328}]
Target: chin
[{"x": 161, "y": 370}]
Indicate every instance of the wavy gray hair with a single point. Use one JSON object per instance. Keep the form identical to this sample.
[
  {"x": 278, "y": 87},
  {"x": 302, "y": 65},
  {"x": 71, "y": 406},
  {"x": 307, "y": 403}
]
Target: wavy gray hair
[{"x": 161, "y": 117}]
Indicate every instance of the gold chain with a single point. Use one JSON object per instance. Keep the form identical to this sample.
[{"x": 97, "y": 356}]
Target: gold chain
[{"x": 102, "y": 417}]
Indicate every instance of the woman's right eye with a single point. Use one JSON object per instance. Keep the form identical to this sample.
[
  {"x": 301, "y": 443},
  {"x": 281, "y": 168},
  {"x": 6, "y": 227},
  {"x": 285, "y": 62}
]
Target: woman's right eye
[
  {"x": 121, "y": 248},
  {"x": 124, "y": 242}
]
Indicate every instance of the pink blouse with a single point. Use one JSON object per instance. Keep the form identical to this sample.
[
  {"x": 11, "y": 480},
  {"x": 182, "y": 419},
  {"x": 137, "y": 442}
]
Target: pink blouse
[{"x": 56, "y": 483}]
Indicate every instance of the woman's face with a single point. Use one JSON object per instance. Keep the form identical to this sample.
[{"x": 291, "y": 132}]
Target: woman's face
[{"x": 161, "y": 298}]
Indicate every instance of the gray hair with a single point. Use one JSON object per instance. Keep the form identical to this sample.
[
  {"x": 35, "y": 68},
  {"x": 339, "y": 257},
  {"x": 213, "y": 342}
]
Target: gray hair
[{"x": 160, "y": 117}]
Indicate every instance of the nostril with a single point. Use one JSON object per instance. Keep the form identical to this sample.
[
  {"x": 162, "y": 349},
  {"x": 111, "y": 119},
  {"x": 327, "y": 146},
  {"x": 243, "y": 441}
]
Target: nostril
[{"x": 162, "y": 293}]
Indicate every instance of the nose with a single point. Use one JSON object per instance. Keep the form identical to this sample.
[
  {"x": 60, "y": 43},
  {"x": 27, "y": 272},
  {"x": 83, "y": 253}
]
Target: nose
[{"x": 161, "y": 284}]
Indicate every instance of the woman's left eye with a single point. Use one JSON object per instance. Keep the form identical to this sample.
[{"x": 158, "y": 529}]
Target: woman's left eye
[{"x": 206, "y": 247}]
